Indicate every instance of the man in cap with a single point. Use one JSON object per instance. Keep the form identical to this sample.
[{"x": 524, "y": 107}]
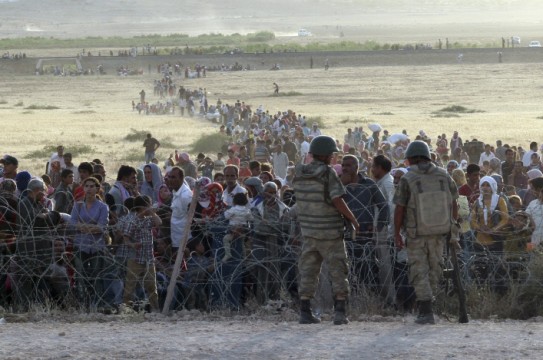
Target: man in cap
[
  {"x": 321, "y": 212},
  {"x": 10, "y": 167},
  {"x": 426, "y": 207}
]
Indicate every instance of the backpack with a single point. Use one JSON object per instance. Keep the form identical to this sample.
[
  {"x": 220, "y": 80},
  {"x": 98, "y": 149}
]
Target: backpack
[{"x": 433, "y": 201}]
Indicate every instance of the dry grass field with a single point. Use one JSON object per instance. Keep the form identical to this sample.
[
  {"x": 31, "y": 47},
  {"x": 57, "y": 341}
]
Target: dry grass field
[{"x": 95, "y": 111}]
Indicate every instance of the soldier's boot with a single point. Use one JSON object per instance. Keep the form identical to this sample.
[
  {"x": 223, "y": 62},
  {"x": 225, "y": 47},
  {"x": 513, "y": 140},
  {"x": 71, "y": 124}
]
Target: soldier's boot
[
  {"x": 306, "y": 314},
  {"x": 340, "y": 317},
  {"x": 426, "y": 315}
]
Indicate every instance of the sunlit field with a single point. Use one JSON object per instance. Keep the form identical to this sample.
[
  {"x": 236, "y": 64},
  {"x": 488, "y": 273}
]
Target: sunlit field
[{"x": 96, "y": 112}]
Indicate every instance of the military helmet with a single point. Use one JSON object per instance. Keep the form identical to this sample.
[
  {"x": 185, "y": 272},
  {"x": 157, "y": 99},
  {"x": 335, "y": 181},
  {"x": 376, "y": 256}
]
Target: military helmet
[
  {"x": 417, "y": 149},
  {"x": 323, "y": 145}
]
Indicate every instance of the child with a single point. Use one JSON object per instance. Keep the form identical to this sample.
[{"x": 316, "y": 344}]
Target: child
[
  {"x": 219, "y": 164},
  {"x": 141, "y": 265},
  {"x": 237, "y": 216},
  {"x": 199, "y": 268}
]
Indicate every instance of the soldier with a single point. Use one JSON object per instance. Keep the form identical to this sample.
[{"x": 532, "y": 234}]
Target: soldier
[
  {"x": 426, "y": 207},
  {"x": 321, "y": 211}
]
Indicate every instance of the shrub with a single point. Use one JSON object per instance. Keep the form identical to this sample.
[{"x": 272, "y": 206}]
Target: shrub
[
  {"x": 85, "y": 112},
  {"x": 136, "y": 135},
  {"x": 261, "y": 36},
  {"x": 42, "y": 107},
  {"x": 316, "y": 119},
  {"x": 209, "y": 143}
]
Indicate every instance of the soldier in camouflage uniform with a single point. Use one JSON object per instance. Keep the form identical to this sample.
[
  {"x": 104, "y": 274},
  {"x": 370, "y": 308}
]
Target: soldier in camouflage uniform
[
  {"x": 425, "y": 240},
  {"x": 321, "y": 213}
]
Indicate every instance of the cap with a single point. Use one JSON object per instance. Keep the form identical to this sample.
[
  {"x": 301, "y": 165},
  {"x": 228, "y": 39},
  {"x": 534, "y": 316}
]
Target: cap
[{"x": 9, "y": 160}]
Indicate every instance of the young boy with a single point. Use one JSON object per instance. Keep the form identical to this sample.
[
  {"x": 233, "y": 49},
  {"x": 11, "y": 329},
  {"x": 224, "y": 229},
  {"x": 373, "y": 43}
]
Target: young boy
[
  {"x": 238, "y": 216},
  {"x": 219, "y": 164},
  {"x": 141, "y": 265}
]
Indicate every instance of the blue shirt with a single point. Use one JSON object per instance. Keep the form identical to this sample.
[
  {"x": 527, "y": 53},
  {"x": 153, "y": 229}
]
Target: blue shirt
[{"x": 98, "y": 214}]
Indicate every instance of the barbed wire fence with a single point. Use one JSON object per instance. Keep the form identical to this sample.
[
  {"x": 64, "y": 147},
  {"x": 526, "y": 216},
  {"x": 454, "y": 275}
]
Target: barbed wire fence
[{"x": 38, "y": 265}]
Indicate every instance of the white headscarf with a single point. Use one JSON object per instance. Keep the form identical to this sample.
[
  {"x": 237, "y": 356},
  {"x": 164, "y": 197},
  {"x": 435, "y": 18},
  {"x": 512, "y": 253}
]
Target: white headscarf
[{"x": 495, "y": 197}]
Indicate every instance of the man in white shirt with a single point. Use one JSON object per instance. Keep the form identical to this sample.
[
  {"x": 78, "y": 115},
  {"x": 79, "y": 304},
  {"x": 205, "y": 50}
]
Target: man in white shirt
[
  {"x": 304, "y": 149},
  {"x": 315, "y": 131},
  {"x": 350, "y": 138},
  {"x": 58, "y": 156},
  {"x": 381, "y": 168},
  {"x": 527, "y": 157},
  {"x": 182, "y": 197},
  {"x": 231, "y": 173},
  {"x": 280, "y": 162},
  {"x": 487, "y": 155}
]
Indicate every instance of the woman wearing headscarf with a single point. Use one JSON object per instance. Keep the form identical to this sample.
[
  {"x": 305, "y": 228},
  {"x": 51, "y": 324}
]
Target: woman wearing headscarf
[
  {"x": 152, "y": 180},
  {"x": 198, "y": 229},
  {"x": 489, "y": 215},
  {"x": 216, "y": 206},
  {"x": 535, "y": 210}
]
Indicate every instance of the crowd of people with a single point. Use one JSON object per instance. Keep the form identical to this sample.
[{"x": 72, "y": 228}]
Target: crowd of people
[{"x": 71, "y": 235}]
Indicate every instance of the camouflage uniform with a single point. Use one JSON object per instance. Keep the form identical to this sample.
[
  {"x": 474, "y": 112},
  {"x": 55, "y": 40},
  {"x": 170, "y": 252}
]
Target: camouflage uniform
[
  {"x": 322, "y": 228},
  {"x": 425, "y": 252}
]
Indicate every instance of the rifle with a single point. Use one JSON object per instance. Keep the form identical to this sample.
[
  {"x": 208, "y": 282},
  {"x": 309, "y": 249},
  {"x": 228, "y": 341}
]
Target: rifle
[{"x": 457, "y": 281}]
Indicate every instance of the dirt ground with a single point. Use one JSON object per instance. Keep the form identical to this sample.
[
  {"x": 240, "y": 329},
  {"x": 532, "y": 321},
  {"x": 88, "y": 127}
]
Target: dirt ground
[{"x": 251, "y": 338}]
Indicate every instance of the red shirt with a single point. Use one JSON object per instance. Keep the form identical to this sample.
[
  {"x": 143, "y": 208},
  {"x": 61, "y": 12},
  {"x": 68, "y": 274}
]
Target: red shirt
[
  {"x": 233, "y": 161},
  {"x": 467, "y": 191}
]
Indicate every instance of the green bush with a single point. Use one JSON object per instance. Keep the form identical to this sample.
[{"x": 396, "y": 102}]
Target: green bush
[
  {"x": 459, "y": 109},
  {"x": 261, "y": 36},
  {"x": 41, "y": 107},
  {"x": 136, "y": 135},
  {"x": 316, "y": 119},
  {"x": 209, "y": 143}
]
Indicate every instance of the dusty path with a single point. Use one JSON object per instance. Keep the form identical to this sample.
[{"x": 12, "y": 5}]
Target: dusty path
[{"x": 255, "y": 339}]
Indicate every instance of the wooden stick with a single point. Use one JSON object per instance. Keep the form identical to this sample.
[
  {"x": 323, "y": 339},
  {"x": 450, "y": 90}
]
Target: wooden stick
[{"x": 181, "y": 251}]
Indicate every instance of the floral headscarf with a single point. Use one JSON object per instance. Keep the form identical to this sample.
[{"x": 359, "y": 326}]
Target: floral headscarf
[
  {"x": 216, "y": 205},
  {"x": 203, "y": 198}
]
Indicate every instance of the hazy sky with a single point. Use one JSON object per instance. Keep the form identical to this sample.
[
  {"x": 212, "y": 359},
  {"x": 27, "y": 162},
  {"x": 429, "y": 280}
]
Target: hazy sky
[{"x": 364, "y": 19}]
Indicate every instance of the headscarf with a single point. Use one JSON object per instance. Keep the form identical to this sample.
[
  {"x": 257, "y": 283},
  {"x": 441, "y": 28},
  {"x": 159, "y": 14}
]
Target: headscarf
[
  {"x": 203, "y": 198},
  {"x": 22, "y": 179},
  {"x": 337, "y": 168},
  {"x": 216, "y": 205},
  {"x": 158, "y": 199},
  {"x": 495, "y": 197},
  {"x": 393, "y": 171},
  {"x": 151, "y": 189},
  {"x": 185, "y": 156},
  {"x": 256, "y": 182},
  {"x": 534, "y": 173},
  {"x": 191, "y": 182},
  {"x": 453, "y": 162}
]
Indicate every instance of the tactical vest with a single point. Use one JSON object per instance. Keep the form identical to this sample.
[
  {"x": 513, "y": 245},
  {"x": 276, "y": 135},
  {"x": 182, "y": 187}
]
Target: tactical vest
[
  {"x": 429, "y": 209},
  {"x": 317, "y": 216}
]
